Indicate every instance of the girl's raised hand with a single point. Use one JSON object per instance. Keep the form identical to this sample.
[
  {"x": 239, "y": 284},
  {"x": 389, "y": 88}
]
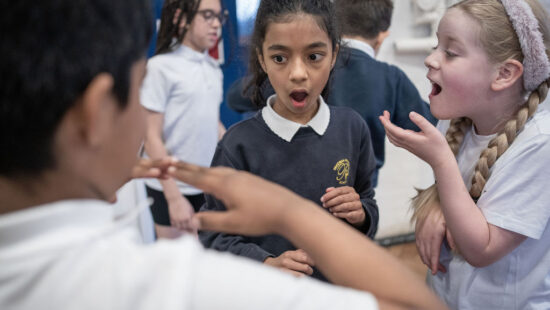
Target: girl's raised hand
[{"x": 428, "y": 144}]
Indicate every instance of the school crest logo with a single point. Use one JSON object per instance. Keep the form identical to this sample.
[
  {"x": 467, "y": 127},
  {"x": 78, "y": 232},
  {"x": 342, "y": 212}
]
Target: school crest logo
[{"x": 342, "y": 170}]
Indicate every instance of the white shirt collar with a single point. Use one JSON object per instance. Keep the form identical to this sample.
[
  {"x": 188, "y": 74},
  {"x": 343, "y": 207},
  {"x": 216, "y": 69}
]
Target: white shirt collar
[
  {"x": 286, "y": 129},
  {"x": 359, "y": 45},
  {"x": 193, "y": 55}
]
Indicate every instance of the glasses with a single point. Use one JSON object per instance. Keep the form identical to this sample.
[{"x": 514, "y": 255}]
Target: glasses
[{"x": 209, "y": 16}]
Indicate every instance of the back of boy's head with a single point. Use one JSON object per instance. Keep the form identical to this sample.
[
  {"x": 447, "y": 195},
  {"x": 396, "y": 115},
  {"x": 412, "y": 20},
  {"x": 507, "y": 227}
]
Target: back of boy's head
[
  {"x": 500, "y": 41},
  {"x": 51, "y": 51},
  {"x": 271, "y": 11},
  {"x": 169, "y": 34},
  {"x": 363, "y": 18}
]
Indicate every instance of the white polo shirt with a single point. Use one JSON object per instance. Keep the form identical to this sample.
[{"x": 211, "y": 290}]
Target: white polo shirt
[
  {"x": 187, "y": 87},
  {"x": 72, "y": 255}
]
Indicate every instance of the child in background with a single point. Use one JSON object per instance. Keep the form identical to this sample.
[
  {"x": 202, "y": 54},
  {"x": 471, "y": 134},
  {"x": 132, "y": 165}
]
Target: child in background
[
  {"x": 490, "y": 71},
  {"x": 182, "y": 92},
  {"x": 322, "y": 153}
]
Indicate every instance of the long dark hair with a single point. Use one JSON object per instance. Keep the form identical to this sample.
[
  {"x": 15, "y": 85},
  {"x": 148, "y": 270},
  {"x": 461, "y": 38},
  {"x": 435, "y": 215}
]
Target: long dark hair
[
  {"x": 168, "y": 30},
  {"x": 278, "y": 10}
]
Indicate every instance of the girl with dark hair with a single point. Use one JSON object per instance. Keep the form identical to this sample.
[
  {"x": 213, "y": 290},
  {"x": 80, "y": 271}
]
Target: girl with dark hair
[
  {"x": 182, "y": 93},
  {"x": 322, "y": 153}
]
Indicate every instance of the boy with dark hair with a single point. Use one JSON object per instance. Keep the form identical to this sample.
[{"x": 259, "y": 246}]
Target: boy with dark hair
[
  {"x": 359, "y": 80},
  {"x": 71, "y": 126},
  {"x": 365, "y": 84}
]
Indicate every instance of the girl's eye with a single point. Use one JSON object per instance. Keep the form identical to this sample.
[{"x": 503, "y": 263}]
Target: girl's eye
[
  {"x": 315, "y": 57},
  {"x": 279, "y": 59},
  {"x": 450, "y": 54}
]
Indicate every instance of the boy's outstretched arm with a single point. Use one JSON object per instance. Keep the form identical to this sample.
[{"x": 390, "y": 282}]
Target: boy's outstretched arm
[{"x": 258, "y": 207}]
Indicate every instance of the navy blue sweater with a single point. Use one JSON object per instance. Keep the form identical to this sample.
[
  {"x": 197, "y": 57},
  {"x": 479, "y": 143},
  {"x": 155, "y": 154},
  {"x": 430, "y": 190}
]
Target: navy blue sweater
[
  {"x": 369, "y": 87},
  {"x": 307, "y": 165}
]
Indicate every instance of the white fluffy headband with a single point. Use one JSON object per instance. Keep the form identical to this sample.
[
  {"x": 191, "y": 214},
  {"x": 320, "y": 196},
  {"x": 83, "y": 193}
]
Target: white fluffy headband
[{"x": 535, "y": 62}]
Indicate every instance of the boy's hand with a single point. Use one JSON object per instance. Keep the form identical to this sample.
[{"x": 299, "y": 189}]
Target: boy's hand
[
  {"x": 263, "y": 210},
  {"x": 147, "y": 168},
  {"x": 181, "y": 214},
  {"x": 295, "y": 262},
  {"x": 430, "y": 233},
  {"x": 428, "y": 144},
  {"x": 344, "y": 202}
]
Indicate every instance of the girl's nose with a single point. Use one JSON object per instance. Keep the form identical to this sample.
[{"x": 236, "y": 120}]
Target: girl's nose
[
  {"x": 216, "y": 23},
  {"x": 431, "y": 61},
  {"x": 298, "y": 71}
]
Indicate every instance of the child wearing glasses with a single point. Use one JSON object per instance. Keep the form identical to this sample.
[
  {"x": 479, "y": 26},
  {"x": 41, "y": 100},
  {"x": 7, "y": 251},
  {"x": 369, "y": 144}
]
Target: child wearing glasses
[{"x": 182, "y": 92}]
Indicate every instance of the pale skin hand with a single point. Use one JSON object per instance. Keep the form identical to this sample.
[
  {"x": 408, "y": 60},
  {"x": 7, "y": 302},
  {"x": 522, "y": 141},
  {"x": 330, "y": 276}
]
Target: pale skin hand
[
  {"x": 357, "y": 263},
  {"x": 429, "y": 144},
  {"x": 181, "y": 214},
  {"x": 430, "y": 232},
  {"x": 344, "y": 202},
  {"x": 297, "y": 262},
  {"x": 480, "y": 242}
]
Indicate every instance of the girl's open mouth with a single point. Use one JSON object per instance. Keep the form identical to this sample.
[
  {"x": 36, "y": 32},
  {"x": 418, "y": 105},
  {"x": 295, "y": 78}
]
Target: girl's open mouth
[
  {"x": 436, "y": 89},
  {"x": 298, "y": 98}
]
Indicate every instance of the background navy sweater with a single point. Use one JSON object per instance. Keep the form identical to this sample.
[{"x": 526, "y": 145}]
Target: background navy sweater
[{"x": 308, "y": 165}]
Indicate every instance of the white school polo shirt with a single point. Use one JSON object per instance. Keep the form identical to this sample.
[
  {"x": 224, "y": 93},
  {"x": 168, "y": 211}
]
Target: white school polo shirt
[
  {"x": 186, "y": 86},
  {"x": 72, "y": 255},
  {"x": 516, "y": 198}
]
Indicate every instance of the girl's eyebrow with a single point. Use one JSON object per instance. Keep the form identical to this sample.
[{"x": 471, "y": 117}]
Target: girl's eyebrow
[
  {"x": 317, "y": 45},
  {"x": 279, "y": 47}
]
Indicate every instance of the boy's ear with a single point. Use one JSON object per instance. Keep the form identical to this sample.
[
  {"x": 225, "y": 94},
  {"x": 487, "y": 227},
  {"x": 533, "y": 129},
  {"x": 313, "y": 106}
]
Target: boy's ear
[
  {"x": 507, "y": 74},
  {"x": 97, "y": 109},
  {"x": 382, "y": 35},
  {"x": 335, "y": 55},
  {"x": 261, "y": 60}
]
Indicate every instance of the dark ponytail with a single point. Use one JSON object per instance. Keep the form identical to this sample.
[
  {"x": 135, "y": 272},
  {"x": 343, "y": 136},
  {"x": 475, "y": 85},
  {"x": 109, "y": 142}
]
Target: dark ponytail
[{"x": 168, "y": 29}]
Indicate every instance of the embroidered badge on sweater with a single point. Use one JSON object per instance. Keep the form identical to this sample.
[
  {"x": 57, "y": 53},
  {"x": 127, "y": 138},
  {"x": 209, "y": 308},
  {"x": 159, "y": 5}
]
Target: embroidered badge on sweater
[{"x": 342, "y": 170}]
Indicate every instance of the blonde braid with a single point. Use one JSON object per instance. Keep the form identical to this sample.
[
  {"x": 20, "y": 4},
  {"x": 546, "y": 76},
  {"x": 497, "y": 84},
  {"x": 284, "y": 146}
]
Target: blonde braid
[
  {"x": 428, "y": 199},
  {"x": 505, "y": 138}
]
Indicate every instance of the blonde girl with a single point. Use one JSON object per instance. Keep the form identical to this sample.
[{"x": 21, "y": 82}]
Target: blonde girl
[{"x": 490, "y": 71}]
